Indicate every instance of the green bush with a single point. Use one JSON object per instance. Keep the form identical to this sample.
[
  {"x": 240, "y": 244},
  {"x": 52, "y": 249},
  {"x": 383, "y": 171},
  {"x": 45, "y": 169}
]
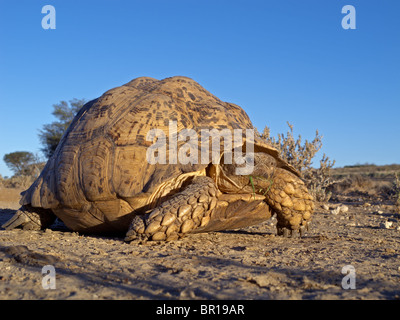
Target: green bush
[{"x": 52, "y": 133}]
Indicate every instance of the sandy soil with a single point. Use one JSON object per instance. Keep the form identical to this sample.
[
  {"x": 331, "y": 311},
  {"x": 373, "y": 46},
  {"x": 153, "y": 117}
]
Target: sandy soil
[{"x": 251, "y": 263}]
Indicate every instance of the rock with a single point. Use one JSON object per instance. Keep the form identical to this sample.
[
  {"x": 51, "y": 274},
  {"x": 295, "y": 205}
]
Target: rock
[
  {"x": 340, "y": 209},
  {"x": 386, "y": 224},
  {"x": 335, "y": 211},
  {"x": 267, "y": 280},
  {"x": 187, "y": 294},
  {"x": 325, "y": 207},
  {"x": 261, "y": 280}
]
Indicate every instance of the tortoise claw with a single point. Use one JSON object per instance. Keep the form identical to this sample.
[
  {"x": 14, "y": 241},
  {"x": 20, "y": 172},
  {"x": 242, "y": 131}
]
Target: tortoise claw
[
  {"x": 137, "y": 229},
  {"x": 291, "y": 233},
  {"x": 130, "y": 236},
  {"x": 283, "y": 231},
  {"x": 302, "y": 231},
  {"x": 287, "y": 233},
  {"x": 134, "y": 236}
]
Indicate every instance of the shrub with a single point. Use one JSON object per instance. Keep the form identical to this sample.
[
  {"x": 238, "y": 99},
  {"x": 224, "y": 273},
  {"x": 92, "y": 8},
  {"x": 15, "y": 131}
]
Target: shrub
[
  {"x": 19, "y": 161},
  {"x": 396, "y": 187},
  {"x": 300, "y": 156},
  {"x": 52, "y": 133},
  {"x": 24, "y": 180},
  {"x": 19, "y": 182}
]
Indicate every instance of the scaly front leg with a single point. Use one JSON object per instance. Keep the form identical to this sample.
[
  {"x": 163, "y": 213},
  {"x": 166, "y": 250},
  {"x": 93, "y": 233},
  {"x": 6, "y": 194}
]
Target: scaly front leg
[
  {"x": 182, "y": 213},
  {"x": 289, "y": 198}
]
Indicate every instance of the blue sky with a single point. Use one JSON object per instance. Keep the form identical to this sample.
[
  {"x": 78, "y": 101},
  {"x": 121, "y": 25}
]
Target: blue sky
[{"x": 285, "y": 60}]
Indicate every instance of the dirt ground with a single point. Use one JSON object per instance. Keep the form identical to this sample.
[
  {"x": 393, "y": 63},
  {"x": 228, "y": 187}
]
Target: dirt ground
[{"x": 251, "y": 263}]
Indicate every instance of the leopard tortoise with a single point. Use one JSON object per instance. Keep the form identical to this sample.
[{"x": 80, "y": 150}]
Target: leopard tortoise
[{"x": 101, "y": 180}]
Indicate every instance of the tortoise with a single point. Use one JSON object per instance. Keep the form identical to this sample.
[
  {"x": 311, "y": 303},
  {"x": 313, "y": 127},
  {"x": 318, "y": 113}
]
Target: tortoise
[{"x": 100, "y": 179}]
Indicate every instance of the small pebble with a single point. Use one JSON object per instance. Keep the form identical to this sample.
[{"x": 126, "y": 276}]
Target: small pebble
[
  {"x": 340, "y": 209},
  {"x": 386, "y": 224}
]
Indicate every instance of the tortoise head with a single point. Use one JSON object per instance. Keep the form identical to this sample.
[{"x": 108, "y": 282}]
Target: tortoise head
[{"x": 251, "y": 173}]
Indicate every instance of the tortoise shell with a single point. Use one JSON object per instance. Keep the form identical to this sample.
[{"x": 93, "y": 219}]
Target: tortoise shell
[{"x": 99, "y": 175}]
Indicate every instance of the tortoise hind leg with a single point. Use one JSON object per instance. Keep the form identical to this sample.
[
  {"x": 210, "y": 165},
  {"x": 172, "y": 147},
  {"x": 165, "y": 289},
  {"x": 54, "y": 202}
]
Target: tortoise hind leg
[
  {"x": 182, "y": 213},
  {"x": 30, "y": 218}
]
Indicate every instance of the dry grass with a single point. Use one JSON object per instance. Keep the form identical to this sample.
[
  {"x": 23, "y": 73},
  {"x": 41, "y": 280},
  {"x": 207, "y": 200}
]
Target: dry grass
[
  {"x": 368, "y": 170},
  {"x": 362, "y": 184},
  {"x": 17, "y": 182},
  {"x": 9, "y": 197},
  {"x": 377, "y": 182}
]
